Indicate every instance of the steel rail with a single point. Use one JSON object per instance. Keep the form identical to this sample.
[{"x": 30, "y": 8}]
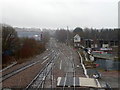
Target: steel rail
[
  {"x": 73, "y": 66},
  {"x": 12, "y": 73},
  {"x": 37, "y": 76},
  {"x": 8, "y": 67},
  {"x": 45, "y": 78},
  {"x": 15, "y": 63}
]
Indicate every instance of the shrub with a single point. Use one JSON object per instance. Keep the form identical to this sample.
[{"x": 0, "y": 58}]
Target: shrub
[{"x": 29, "y": 48}]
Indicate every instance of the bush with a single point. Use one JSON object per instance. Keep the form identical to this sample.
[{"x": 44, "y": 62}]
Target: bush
[
  {"x": 29, "y": 48},
  {"x": 15, "y": 48}
]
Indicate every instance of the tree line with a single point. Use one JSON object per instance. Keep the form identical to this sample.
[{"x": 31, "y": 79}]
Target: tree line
[
  {"x": 19, "y": 49},
  {"x": 88, "y": 33}
]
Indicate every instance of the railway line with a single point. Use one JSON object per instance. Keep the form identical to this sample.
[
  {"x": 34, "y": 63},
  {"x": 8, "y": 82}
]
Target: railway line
[
  {"x": 68, "y": 80},
  {"x": 61, "y": 68},
  {"x": 8, "y": 67},
  {"x": 39, "y": 80},
  {"x": 69, "y": 70},
  {"x": 20, "y": 69},
  {"x": 13, "y": 67}
]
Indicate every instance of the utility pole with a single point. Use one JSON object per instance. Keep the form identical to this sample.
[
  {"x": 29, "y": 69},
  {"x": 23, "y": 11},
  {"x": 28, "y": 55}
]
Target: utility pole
[{"x": 67, "y": 35}]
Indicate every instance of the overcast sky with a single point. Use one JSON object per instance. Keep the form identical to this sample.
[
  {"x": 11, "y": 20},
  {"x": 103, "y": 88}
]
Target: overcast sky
[{"x": 60, "y": 13}]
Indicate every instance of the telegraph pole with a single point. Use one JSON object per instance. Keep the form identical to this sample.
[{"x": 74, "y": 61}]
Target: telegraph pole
[{"x": 67, "y": 35}]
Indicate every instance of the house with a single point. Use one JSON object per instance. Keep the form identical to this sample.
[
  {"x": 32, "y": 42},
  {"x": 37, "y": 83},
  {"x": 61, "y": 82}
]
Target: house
[
  {"x": 77, "y": 40},
  {"x": 107, "y": 43}
]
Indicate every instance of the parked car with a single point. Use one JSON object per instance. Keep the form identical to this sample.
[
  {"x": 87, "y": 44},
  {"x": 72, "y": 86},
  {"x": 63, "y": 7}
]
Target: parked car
[{"x": 97, "y": 75}]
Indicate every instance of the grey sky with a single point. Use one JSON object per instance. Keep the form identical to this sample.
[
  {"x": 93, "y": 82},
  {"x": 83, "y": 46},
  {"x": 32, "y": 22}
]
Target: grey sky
[{"x": 60, "y": 13}]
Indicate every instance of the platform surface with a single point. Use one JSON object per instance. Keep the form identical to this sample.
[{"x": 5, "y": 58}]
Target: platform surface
[{"x": 77, "y": 82}]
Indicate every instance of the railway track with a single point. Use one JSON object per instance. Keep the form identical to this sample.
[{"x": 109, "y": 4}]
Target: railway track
[
  {"x": 70, "y": 76},
  {"x": 12, "y": 73},
  {"x": 8, "y": 67},
  {"x": 39, "y": 80},
  {"x": 15, "y": 63}
]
